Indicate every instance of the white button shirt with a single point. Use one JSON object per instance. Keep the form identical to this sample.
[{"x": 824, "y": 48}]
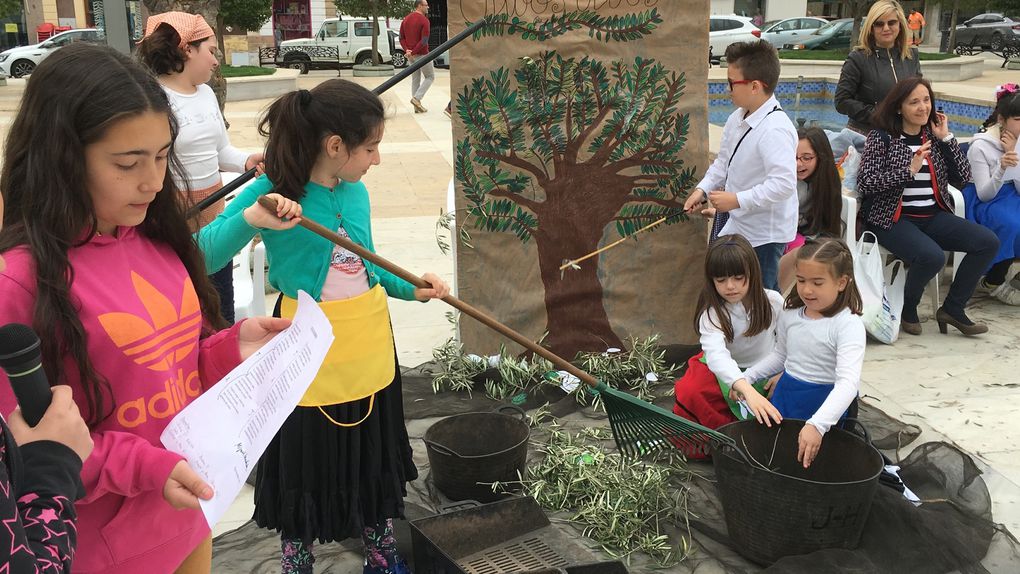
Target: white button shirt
[{"x": 763, "y": 174}]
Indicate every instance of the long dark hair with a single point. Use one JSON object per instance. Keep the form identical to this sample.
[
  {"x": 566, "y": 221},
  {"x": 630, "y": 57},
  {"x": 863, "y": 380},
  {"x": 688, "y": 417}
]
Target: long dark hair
[
  {"x": 729, "y": 256},
  {"x": 826, "y": 188},
  {"x": 886, "y": 115},
  {"x": 71, "y": 100},
  {"x": 297, "y": 123},
  {"x": 161, "y": 51},
  {"x": 836, "y": 256},
  {"x": 1008, "y": 106}
]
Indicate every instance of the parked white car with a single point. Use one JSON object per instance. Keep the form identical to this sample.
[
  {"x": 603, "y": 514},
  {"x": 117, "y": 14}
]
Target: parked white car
[
  {"x": 21, "y": 61},
  {"x": 725, "y": 30},
  {"x": 352, "y": 38},
  {"x": 791, "y": 30}
]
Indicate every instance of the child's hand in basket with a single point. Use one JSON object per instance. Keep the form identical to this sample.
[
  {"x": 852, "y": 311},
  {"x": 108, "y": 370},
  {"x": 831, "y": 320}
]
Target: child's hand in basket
[
  {"x": 808, "y": 443},
  {"x": 764, "y": 412}
]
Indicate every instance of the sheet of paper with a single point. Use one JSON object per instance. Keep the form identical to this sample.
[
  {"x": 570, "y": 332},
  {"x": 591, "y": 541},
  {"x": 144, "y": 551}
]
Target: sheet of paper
[
  {"x": 1012, "y": 173},
  {"x": 223, "y": 432}
]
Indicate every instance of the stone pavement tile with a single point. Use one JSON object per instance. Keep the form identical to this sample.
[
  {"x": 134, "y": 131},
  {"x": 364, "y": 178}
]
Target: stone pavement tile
[{"x": 977, "y": 424}]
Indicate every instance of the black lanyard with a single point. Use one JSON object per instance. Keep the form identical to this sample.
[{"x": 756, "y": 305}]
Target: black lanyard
[{"x": 741, "y": 140}]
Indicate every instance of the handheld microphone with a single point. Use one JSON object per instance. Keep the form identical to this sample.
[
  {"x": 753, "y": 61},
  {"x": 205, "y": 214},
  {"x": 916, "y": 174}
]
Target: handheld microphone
[{"x": 21, "y": 359}]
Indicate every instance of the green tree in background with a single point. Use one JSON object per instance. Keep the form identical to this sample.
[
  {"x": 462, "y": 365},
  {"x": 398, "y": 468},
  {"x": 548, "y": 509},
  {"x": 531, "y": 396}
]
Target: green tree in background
[
  {"x": 9, "y": 8},
  {"x": 374, "y": 9},
  {"x": 248, "y": 15}
]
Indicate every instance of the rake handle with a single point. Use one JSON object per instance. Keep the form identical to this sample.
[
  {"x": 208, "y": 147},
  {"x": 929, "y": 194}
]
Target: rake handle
[{"x": 466, "y": 308}]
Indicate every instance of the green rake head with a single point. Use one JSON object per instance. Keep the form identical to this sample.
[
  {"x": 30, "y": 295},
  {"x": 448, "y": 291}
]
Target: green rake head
[{"x": 640, "y": 427}]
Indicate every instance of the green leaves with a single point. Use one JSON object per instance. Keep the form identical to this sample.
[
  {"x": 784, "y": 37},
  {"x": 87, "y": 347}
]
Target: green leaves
[
  {"x": 618, "y": 28},
  {"x": 623, "y": 505}
]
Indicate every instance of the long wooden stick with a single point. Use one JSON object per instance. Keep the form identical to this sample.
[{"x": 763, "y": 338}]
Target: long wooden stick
[
  {"x": 611, "y": 245},
  {"x": 456, "y": 303}
]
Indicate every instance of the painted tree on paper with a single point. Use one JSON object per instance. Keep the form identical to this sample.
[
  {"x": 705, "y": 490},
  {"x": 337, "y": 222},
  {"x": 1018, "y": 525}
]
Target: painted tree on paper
[{"x": 558, "y": 150}]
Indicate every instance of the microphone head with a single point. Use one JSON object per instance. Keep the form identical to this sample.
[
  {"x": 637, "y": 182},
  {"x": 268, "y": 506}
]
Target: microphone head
[{"x": 18, "y": 345}]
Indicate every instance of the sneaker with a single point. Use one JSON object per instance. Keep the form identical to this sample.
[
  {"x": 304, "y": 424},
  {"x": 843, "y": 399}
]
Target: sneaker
[
  {"x": 984, "y": 289},
  {"x": 1007, "y": 294},
  {"x": 418, "y": 108}
]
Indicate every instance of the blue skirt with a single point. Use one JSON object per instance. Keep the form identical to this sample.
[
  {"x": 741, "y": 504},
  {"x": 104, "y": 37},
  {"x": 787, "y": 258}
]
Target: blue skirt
[
  {"x": 1001, "y": 215},
  {"x": 797, "y": 399}
]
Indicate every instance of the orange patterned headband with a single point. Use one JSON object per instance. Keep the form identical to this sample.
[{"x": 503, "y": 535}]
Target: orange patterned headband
[{"x": 190, "y": 27}]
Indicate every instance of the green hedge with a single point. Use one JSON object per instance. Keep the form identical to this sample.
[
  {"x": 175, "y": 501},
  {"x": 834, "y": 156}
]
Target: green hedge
[{"x": 238, "y": 71}]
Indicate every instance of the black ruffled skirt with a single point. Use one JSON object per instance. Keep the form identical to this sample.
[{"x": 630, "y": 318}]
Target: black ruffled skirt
[{"x": 321, "y": 482}]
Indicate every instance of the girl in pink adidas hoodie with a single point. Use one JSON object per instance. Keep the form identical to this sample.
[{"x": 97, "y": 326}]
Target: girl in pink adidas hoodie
[{"x": 101, "y": 262}]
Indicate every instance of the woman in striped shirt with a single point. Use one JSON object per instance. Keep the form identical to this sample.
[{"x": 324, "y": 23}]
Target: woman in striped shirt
[{"x": 909, "y": 161}]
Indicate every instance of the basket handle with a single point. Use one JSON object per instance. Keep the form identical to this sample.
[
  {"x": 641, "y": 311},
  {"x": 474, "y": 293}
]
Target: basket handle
[
  {"x": 440, "y": 448},
  {"x": 513, "y": 408}
]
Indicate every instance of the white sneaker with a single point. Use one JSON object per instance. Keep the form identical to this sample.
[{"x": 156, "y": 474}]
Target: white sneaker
[{"x": 1007, "y": 294}]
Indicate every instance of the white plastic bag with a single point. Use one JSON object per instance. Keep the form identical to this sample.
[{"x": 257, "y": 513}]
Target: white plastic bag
[
  {"x": 851, "y": 163},
  {"x": 881, "y": 290}
]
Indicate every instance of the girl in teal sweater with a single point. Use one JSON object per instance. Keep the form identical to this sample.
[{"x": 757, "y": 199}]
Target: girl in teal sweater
[{"x": 339, "y": 466}]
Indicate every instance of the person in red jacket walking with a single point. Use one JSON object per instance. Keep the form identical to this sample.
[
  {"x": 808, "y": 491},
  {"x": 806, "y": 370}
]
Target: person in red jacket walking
[{"x": 414, "y": 38}]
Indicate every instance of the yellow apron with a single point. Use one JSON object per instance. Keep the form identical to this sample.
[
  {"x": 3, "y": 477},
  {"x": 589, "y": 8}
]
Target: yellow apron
[{"x": 360, "y": 361}]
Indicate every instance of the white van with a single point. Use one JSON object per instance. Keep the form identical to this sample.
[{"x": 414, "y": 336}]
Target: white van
[{"x": 337, "y": 42}]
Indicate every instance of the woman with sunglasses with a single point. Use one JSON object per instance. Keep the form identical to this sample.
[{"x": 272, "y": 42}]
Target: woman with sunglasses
[{"x": 882, "y": 57}]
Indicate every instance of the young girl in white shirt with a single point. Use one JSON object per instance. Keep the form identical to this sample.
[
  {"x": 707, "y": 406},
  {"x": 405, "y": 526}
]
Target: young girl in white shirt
[
  {"x": 819, "y": 348},
  {"x": 736, "y": 317},
  {"x": 180, "y": 49}
]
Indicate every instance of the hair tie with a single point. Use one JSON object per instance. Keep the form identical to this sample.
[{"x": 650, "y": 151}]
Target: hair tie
[
  {"x": 304, "y": 98},
  {"x": 1005, "y": 90}
]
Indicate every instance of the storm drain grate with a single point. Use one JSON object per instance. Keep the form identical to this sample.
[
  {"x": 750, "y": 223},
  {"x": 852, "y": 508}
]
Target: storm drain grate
[{"x": 529, "y": 554}]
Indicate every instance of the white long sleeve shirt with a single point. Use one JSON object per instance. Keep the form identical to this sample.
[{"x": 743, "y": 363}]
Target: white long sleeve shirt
[
  {"x": 202, "y": 144},
  {"x": 727, "y": 359},
  {"x": 826, "y": 351},
  {"x": 763, "y": 174},
  {"x": 984, "y": 154}
]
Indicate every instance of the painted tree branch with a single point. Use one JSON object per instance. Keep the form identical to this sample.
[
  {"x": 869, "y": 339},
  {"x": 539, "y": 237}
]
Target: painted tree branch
[{"x": 620, "y": 28}]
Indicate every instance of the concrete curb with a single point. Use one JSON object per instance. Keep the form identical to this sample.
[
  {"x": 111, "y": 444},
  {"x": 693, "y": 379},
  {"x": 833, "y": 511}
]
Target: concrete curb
[{"x": 262, "y": 87}]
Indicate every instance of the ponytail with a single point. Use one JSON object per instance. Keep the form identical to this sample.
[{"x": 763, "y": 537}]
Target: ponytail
[{"x": 297, "y": 123}]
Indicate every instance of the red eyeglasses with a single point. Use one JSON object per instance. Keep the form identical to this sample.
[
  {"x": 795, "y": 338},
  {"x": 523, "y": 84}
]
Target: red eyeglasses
[{"x": 737, "y": 82}]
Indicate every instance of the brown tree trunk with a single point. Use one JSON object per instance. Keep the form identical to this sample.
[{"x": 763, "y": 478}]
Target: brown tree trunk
[
  {"x": 210, "y": 10},
  {"x": 576, "y": 317}
]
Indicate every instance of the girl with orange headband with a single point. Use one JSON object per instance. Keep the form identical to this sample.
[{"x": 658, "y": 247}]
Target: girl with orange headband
[{"x": 180, "y": 48}]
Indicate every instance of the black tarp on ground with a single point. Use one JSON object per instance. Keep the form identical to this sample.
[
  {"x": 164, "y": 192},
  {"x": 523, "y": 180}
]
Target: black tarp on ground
[{"x": 953, "y": 531}]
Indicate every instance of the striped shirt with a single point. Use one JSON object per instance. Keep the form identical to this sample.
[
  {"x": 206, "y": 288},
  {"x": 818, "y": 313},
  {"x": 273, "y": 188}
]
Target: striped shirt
[{"x": 918, "y": 193}]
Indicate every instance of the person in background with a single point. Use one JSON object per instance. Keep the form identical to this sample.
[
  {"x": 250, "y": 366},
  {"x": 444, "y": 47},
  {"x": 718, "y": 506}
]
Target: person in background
[
  {"x": 882, "y": 57},
  {"x": 752, "y": 184},
  {"x": 916, "y": 23},
  {"x": 818, "y": 195},
  {"x": 908, "y": 163},
  {"x": 180, "y": 49},
  {"x": 992, "y": 200},
  {"x": 414, "y": 38}
]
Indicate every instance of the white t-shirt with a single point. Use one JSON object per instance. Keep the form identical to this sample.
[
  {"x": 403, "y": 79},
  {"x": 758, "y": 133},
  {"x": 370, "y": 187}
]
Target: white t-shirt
[
  {"x": 727, "y": 359},
  {"x": 202, "y": 144},
  {"x": 346, "y": 276},
  {"x": 826, "y": 351}
]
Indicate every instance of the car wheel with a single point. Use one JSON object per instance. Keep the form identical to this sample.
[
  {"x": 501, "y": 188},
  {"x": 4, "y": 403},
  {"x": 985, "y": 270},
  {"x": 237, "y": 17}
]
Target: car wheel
[
  {"x": 363, "y": 59},
  {"x": 297, "y": 62},
  {"x": 22, "y": 68},
  {"x": 399, "y": 59},
  {"x": 996, "y": 43}
]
